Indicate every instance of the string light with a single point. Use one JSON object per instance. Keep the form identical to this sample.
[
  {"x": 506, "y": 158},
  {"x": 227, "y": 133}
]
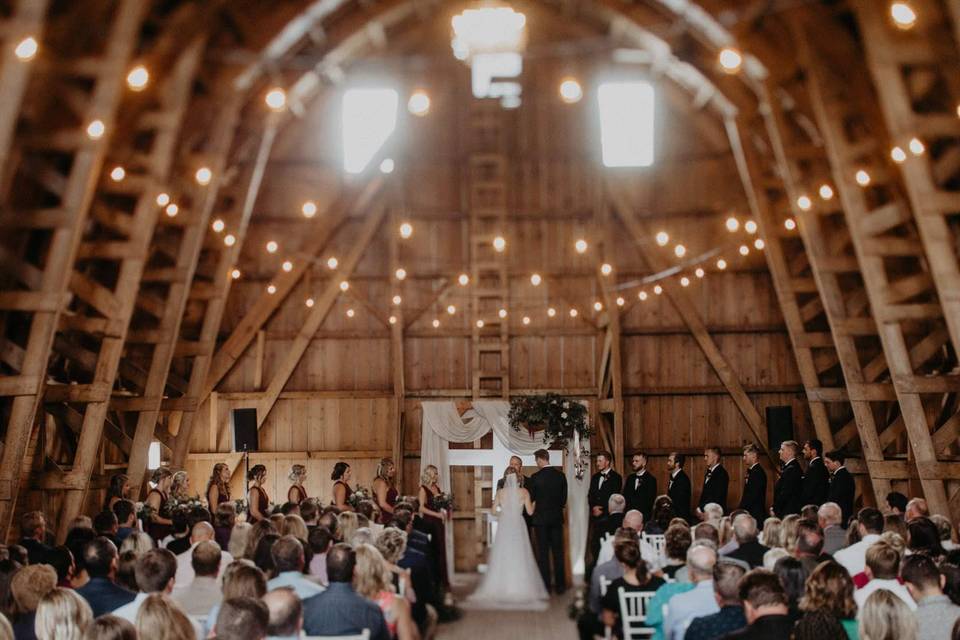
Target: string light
[
  {"x": 401, "y": 273},
  {"x": 479, "y": 324},
  {"x": 621, "y": 301},
  {"x": 790, "y": 224},
  {"x": 657, "y": 289},
  {"x": 218, "y": 225},
  {"x": 730, "y": 59},
  {"x": 287, "y": 266},
  {"x": 571, "y": 91},
  {"x": 551, "y": 311},
  {"x": 419, "y": 103},
  {"x": 397, "y": 300},
  {"x": 463, "y": 279},
  {"x": 138, "y": 78},
  {"x": 863, "y": 178},
  {"x": 451, "y": 309},
  {"x": 606, "y": 269},
  {"x": 436, "y": 323},
  {"x": 535, "y": 279},
  {"x": 526, "y": 320},
  {"x": 898, "y": 154},
  {"x": 350, "y": 313},
  {"x": 272, "y": 246},
  {"x": 598, "y": 306},
  {"x": 663, "y": 238},
  {"x": 759, "y": 244},
  {"x": 684, "y": 281},
  {"x": 309, "y": 302},
  {"x": 721, "y": 264},
  {"x": 271, "y": 289},
  {"x": 499, "y": 244},
  {"x": 276, "y": 99},
  {"x": 744, "y": 250},
  {"x": 580, "y": 245},
  {"x": 406, "y": 230},
  {"x": 750, "y": 226},
  {"x": 229, "y": 240},
  {"x": 680, "y": 251},
  {"x": 502, "y": 313},
  {"x": 163, "y": 199},
  {"x": 826, "y": 192},
  {"x": 699, "y": 272},
  {"x": 309, "y": 209},
  {"x": 118, "y": 174},
  {"x": 574, "y": 313},
  {"x": 805, "y": 203},
  {"x": 903, "y": 15},
  {"x": 26, "y": 49},
  {"x": 344, "y": 285},
  {"x": 387, "y": 166},
  {"x": 203, "y": 176},
  {"x": 172, "y": 210},
  {"x": 392, "y": 320},
  {"x": 732, "y": 224},
  {"x": 96, "y": 129},
  {"x": 642, "y": 295},
  {"x": 235, "y": 274},
  {"x": 332, "y": 262},
  {"x": 916, "y": 147}
]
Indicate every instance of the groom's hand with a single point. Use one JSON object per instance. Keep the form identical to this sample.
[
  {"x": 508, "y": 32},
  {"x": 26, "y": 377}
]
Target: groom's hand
[{"x": 597, "y": 511}]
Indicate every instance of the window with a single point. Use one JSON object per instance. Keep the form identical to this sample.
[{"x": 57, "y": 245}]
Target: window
[
  {"x": 369, "y": 118},
  {"x": 153, "y": 455},
  {"x": 626, "y": 123}
]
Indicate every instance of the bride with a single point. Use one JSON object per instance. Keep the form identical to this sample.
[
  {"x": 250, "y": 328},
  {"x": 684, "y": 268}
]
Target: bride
[{"x": 512, "y": 580}]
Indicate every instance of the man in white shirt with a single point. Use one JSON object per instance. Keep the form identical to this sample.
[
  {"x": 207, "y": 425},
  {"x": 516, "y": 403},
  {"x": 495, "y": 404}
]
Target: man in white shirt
[
  {"x": 700, "y": 601},
  {"x": 853, "y": 558},
  {"x": 204, "y": 591},
  {"x": 288, "y": 558},
  {"x": 633, "y": 520},
  {"x": 286, "y": 614},
  {"x": 201, "y": 532},
  {"x": 883, "y": 564}
]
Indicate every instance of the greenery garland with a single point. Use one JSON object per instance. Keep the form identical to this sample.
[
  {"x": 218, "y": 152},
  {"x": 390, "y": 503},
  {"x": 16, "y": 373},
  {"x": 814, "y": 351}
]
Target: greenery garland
[{"x": 557, "y": 416}]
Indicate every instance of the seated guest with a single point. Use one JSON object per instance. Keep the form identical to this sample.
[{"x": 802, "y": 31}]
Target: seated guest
[
  {"x": 288, "y": 562},
  {"x": 770, "y": 558},
  {"x": 610, "y": 571},
  {"x": 713, "y": 513},
  {"x": 33, "y": 536},
  {"x": 263, "y": 556},
  {"x": 870, "y": 526},
  {"x": 418, "y": 563},
  {"x": 793, "y": 577},
  {"x": 614, "y": 518},
  {"x": 203, "y": 590},
  {"x": 320, "y": 540},
  {"x": 683, "y": 608},
  {"x": 28, "y": 586},
  {"x": 392, "y": 544},
  {"x": 160, "y": 617},
  {"x": 662, "y": 514},
  {"x": 201, "y": 532},
  {"x": 372, "y": 581},
  {"x": 884, "y": 616},
  {"x": 633, "y": 520},
  {"x": 126, "y": 571},
  {"x": 936, "y": 615},
  {"x": 772, "y": 535},
  {"x": 896, "y": 503},
  {"x": 77, "y": 540},
  {"x": 946, "y": 532},
  {"x": 828, "y": 593},
  {"x": 138, "y": 542},
  {"x": 180, "y": 539},
  {"x": 883, "y": 561},
  {"x": 726, "y": 590},
  {"x": 101, "y": 592},
  {"x": 895, "y": 524},
  {"x": 62, "y": 562},
  {"x": 339, "y": 610},
  {"x": 748, "y": 549},
  {"x": 110, "y": 627},
  {"x": 677, "y": 541},
  {"x": 224, "y": 520},
  {"x": 286, "y": 613},
  {"x": 105, "y": 524},
  {"x": 415, "y": 538},
  {"x": 239, "y": 537},
  {"x": 705, "y": 532},
  {"x": 916, "y": 508},
  {"x": 764, "y": 606},
  {"x": 310, "y": 512},
  {"x": 635, "y": 578},
  {"x": 62, "y": 615},
  {"x": 126, "y": 513},
  {"x": 242, "y": 619},
  {"x": 809, "y": 546},
  {"x": 924, "y": 537},
  {"x": 829, "y": 520},
  {"x": 240, "y": 580},
  {"x": 155, "y": 571}
]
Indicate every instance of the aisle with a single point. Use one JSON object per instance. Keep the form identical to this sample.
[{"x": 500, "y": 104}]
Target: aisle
[{"x": 552, "y": 624}]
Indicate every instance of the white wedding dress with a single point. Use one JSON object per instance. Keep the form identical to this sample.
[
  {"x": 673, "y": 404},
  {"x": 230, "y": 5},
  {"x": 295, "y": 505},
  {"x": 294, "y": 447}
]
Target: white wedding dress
[{"x": 512, "y": 580}]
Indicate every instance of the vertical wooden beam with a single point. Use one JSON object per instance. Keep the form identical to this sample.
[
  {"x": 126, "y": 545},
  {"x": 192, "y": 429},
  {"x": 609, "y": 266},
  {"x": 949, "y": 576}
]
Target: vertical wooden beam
[
  {"x": 396, "y": 336},
  {"x": 613, "y": 371}
]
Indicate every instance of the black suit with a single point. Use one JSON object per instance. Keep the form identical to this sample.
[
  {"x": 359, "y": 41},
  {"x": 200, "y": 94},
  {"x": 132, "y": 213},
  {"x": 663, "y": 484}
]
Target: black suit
[
  {"x": 715, "y": 488},
  {"x": 548, "y": 488},
  {"x": 640, "y": 491},
  {"x": 599, "y": 495},
  {"x": 816, "y": 483},
  {"x": 754, "y": 498},
  {"x": 751, "y": 553},
  {"x": 842, "y": 491},
  {"x": 788, "y": 491},
  {"x": 678, "y": 488}
]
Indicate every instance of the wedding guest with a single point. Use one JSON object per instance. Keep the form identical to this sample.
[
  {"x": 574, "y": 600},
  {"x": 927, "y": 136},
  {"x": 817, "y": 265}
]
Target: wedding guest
[
  {"x": 118, "y": 489},
  {"x": 828, "y": 592},
  {"x": 239, "y": 538},
  {"x": 285, "y": 614},
  {"x": 158, "y": 525},
  {"x": 62, "y": 615},
  {"x": 677, "y": 541},
  {"x": 816, "y": 480},
  {"x": 772, "y": 535},
  {"x": 180, "y": 538},
  {"x": 155, "y": 571},
  {"x": 884, "y": 616},
  {"x": 28, "y": 586},
  {"x": 633, "y": 521},
  {"x": 203, "y": 590},
  {"x": 384, "y": 489},
  {"x": 678, "y": 486},
  {"x": 764, "y": 607},
  {"x": 429, "y": 490},
  {"x": 828, "y": 518},
  {"x": 297, "y": 476},
  {"x": 842, "y": 488},
  {"x": 809, "y": 512},
  {"x": 945, "y": 530},
  {"x": 242, "y": 619},
  {"x": 924, "y": 537},
  {"x": 372, "y": 581},
  {"x": 8, "y": 568},
  {"x": 789, "y": 531},
  {"x": 263, "y": 555},
  {"x": 259, "y": 530},
  {"x": 138, "y": 542},
  {"x": 726, "y": 583},
  {"x": 748, "y": 549},
  {"x": 340, "y": 610},
  {"x": 793, "y": 576},
  {"x": 288, "y": 560},
  {"x": 33, "y": 535},
  {"x": 715, "y": 482},
  {"x": 916, "y": 508},
  {"x": 258, "y": 502},
  {"x": 6, "y": 631},
  {"x": 320, "y": 540},
  {"x": 936, "y": 615},
  {"x": 870, "y": 526},
  {"x": 754, "y": 496},
  {"x": 61, "y": 560},
  {"x": 412, "y": 569},
  {"x": 159, "y": 617},
  {"x": 341, "y": 486},
  {"x": 590, "y": 624},
  {"x": 684, "y": 607},
  {"x": 728, "y": 542},
  {"x": 635, "y": 578},
  {"x": 809, "y": 547},
  {"x": 711, "y": 513},
  {"x": 614, "y": 518},
  {"x": 787, "y": 492},
  {"x": 896, "y": 503},
  {"x": 770, "y": 558},
  {"x": 126, "y": 571},
  {"x": 883, "y": 562},
  {"x": 101, "y": 592},
  {"x": 640, "y": 487},
  {"x": 310, "y": 512},
  {"x": 662, "y": 516},
  {"x": 224, "y": 520},
  {"x": 218, "y": 487},
  {"x": 240, "y": 580},
  {"x": 126, "y": 513},
  {"x": 109, "y": 627},
  {"x": 105, "y": 524}
]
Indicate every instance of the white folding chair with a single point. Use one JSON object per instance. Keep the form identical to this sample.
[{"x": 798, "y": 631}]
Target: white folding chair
[
  {"x": 658, "y": 542},
  {"x": 604, "y": 584},
  {"x": 365, "y": 635},
  {"x": 633, "y": 613}
]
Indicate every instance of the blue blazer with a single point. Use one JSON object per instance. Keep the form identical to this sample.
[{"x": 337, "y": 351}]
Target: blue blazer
[
  {"x": 341, "y": 611},
  {"x": 104, "y": 596}
]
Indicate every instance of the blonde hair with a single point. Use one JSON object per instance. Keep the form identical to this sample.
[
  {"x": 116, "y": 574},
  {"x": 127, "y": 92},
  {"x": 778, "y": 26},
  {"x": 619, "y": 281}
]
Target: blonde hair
[
  {"x": 62, "y": 615},
  {"x": 391, "y": 543},
  {"x": 293, "y": 525},
  {"x": 160, "y": 619},
  {"x": 138, "y": 542},
  {"x": 349, "y": 523},
  {"x": 371, "y": 577},
  {"x": 789, "y": 532},
  {"x": 110, "y": 627},
  {"x": 30, "y": 584},
  {"x": 238, "y": 539},
  {"x": 178, "y": 487},
  {"x": 772, "y": 533},
  {"x": 885, "y": 616},
  {"x": 297, "y": 472},
  {"x": 6, "y": 631},
  {"x": 429, "y": 474}
]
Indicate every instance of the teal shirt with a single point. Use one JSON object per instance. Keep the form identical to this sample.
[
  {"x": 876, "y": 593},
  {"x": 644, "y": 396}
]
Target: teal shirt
[
  {"x": 660, "y": 598},
  {"x": 850, "y": 626}
]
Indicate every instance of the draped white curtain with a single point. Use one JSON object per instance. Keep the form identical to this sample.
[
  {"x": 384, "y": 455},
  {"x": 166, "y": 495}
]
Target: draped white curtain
[{"x": 442, "y": 424}]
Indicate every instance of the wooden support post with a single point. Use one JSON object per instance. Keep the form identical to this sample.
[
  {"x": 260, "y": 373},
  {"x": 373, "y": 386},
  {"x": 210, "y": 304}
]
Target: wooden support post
[
  {"x": 611, "y": 373},
  {"x": 396, "y": 338}
]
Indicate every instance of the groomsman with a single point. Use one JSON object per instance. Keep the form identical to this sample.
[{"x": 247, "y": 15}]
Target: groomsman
[
  {"x": 754, "y": 498},
  {"x": 842, "y": 487},
  {"x": 816, "y": 481},
  {"x": 604, "y": 483},
  {"x": 787, "y": 492},
  {"x": 678, "y": 487},
  {"x": 715, "y": 482},
  {"x": 640, "y": 487}
]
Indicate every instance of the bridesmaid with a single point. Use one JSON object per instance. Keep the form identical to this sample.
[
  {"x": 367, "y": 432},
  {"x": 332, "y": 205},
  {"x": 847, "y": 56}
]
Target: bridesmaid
[
  {"x": 429, "y": 489},
  {"x": 341, "y": 486},
  {"x": 258, "y": 502},
  {"x": 218, "y": 486},
  {"x": 384, "y": 490},
  {"x": 119, "y": 489},
  {"x": 296, "y": 493},
  {"x": 159, "y": 527},
  {"x": 180, "y": 487}
]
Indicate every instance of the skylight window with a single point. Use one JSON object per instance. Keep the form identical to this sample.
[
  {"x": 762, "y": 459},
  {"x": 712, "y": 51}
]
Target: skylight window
[
  {"x": 627, "y": 123},
  {"x": 369, "y": 119}
]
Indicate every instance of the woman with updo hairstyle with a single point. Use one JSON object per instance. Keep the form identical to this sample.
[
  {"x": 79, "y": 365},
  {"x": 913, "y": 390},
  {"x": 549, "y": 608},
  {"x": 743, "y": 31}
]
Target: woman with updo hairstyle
[
  {"x": 392, "y": 543},
  {"x": 636, "y": 577},
  {"x": 62, "y": 615},
  {"x": 660, "y": 516},
  {"x": 180, "y": 485},
  {"x": 827, "y": 603},
  {"x": 385, "y": 492},
  {"x": 341, "y": 486},
  {"x": 110, "y": 627},
  {"x": 218, "y": 487},
  {"x": 159, "y": 526},
  {"x": 119, "y": 489},
  {"x": 258, "y": 502},
  {"x": 298, "y": 475},
  {"x": 160, "y": 619},
  {"x": 677, "y": 541}
]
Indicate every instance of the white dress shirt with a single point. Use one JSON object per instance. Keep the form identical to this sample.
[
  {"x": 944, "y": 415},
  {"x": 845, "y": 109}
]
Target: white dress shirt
[
  {"x": 892, "y": 585},
  {"x": 853, "y": 558},
  {"x": 185, "y": 571}
]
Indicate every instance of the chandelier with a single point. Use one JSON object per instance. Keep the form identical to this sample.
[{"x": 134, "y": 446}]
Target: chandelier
[{"x": 491, "y": 39}]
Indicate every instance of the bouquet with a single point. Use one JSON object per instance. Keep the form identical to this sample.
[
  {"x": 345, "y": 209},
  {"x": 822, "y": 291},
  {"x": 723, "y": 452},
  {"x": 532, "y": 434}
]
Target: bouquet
[
  {"x": 240, "y": 505},
  {"x": 186, "y": 503},
  {"x": 442, "y": 501},
  {"x": 359, "y": 495},
  {"x": 144, "y": 511}
]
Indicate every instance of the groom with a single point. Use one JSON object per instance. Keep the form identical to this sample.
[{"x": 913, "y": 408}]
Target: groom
[{"x": 550, "y": 494}]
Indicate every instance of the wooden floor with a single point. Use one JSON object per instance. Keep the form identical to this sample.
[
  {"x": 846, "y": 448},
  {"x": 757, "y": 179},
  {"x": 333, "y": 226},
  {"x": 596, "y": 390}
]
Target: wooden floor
[{"x": 552, "y": 624}]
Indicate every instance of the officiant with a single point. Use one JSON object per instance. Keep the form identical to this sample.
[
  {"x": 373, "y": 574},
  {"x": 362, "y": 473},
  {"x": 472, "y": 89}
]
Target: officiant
[{"x": 517, "y": 463}]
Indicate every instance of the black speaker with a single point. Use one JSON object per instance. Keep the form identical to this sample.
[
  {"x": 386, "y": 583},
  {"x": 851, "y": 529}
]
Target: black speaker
[
  {"x": 779, "y": 426},
  {"x": 245, "y": 435}
]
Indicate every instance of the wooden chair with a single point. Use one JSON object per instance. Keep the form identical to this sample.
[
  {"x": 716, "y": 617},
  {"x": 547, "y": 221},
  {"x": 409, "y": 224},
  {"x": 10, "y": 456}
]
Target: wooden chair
[{"x": 633, "y": 613}]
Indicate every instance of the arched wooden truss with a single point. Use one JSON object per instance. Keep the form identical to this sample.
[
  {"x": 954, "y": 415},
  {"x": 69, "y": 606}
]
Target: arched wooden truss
[{"x": 97, "y": 344}]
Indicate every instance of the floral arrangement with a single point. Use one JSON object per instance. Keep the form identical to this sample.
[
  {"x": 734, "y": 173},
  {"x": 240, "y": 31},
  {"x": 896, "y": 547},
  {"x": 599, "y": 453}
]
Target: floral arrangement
[
  {"x": 144, "y": 511},
  {"x": 560, "y": 418},
  {"x": 443, "y": 501},
  {"x": 188, "y": 503},
  {"x": 359, "y": 495},
  {"x": 240, "y": 505}
]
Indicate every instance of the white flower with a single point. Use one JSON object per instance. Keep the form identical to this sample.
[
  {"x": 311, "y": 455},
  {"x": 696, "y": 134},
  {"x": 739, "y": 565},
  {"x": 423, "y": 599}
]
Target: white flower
[
  {"x": 564, "y": 415},
  {"x": 566, "y": 405}
]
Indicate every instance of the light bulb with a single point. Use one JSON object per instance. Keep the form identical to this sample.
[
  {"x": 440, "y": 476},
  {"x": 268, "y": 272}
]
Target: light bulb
[
  {"x": 680, "y": 250},
  {"x": 344, "y": 285},
  {"x": 863, "y": 178},
  {"x": 721, "y": 264},
  {"x": 903, "y": 15},
  {"x": 397, "y": 300},
  {"x": 309, "y": 302},
  {"x": 229, "y": 240},
  {"x": 118, "y": 174},
  {"x": 790, "y": 224},
  {"x": 287, "y": 266},
  {"x": 662, "y": 238},
  {"x": 272, "y": 246},
  {"x": 621, "y": 301},
  {"x": 598, "y": 306},
  {"x": 499, "y": 243},
  {"x": 657, "y": 289},
  {"x": 387, "y": 166},
  {"x": 463, "y": 279},
  {"x": 401, "y": 273},
  {"x": 700, "y": 272},
  {"x": 574, "y": 313},
  {"x": 235, "y": 274},
  {"x": 580, "y": 245},
  {"x": 218, "y": 225},
  {"x": 526, "y": 320},
  {"x": 172, "y": 210},
  {"x": 163, "y": 199},
  {"x": 898, "y": 154},
  {"x": 826, "y": 192},
  {"x": 138, "y": 78},
  {"x": 479, "y": 324},
  {"x": 406, "y": 230},
  {"x": 642, "y": 295},
  {"x": 916, "y": 147},
  {"x": 203, "y": 176},
  {"x": 551, "y": 311},
  {"x": 436, "y": 323},
  {"x": 730, "y": 59},
  {"x": 271, "y": 289},
  {"x": 759, "y": 244},
  {"x": 744, "y": 250},
  {"x": 96, "y": 129},
  {"x": 606, "y": 269},
  {"x": 750, "y": 226},
  {"x": 570, "y": 91},
  {"x": 419, "y": 103},
  {"x": 502, "y": 313},
  {"x": 732, "y": 224},
  {"x": 26, "y": 49},
  {"x": 392, "y": 320},
  {"x": 276, "y": 99},
  {"x": 332, "y": 262},
  {"x": 535, "y": 279},
  {"x": 684, "y": 281},
  {"x": 350, "y": 313},
  {"x": 451, "y": 309},
  {"x": 805, "y": 203},
  {"x": 309, "y": 209}
]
